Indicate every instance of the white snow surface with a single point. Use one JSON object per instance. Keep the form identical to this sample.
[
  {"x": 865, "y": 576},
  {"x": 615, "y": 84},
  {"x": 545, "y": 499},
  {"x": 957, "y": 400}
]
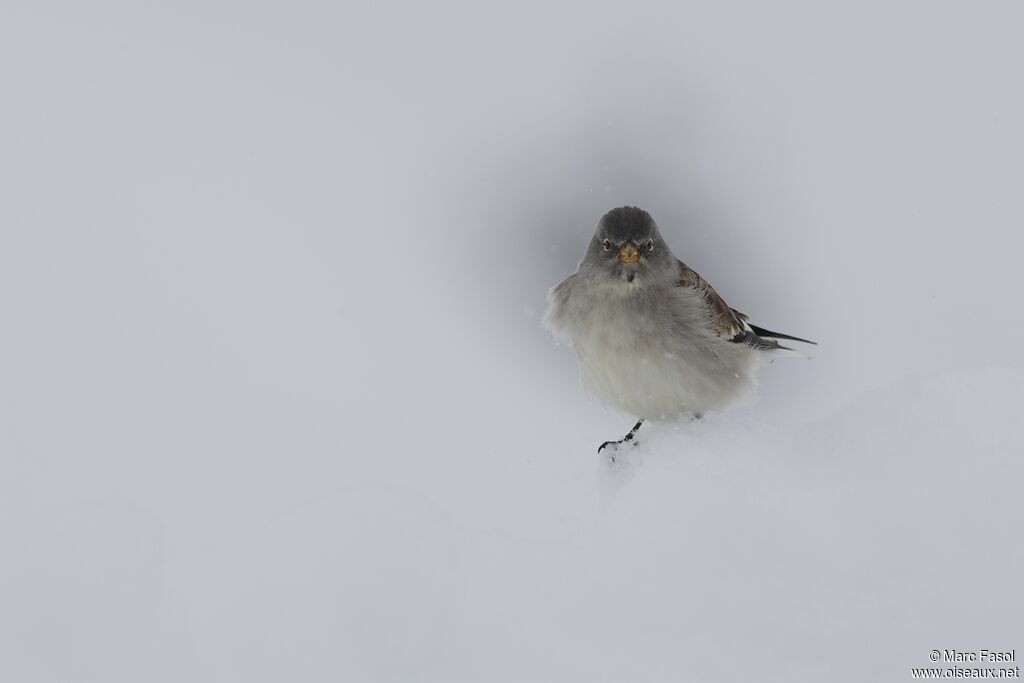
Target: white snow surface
[{"x": 276, "y": 404}]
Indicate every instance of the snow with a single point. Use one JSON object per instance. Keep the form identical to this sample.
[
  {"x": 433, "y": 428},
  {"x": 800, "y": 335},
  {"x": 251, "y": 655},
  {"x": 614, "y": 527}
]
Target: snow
[{"x": 276, "y": 399}]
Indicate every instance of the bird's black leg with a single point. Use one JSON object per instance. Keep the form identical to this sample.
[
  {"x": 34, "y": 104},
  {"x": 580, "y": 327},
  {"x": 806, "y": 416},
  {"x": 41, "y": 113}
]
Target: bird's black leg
[{"x": 627, "y": 437}]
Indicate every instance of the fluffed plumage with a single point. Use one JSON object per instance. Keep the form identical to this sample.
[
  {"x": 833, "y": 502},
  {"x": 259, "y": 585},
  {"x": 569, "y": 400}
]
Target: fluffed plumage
[{"x": 651, "y": 336}]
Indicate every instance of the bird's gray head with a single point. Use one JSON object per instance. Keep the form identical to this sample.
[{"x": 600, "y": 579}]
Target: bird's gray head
[{"x": 627, "y": 247}]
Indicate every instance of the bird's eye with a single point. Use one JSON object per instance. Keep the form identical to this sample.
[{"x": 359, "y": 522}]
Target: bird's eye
[
  {"x": 607, "y": 245},
  {"x": 650, "y": 245}
]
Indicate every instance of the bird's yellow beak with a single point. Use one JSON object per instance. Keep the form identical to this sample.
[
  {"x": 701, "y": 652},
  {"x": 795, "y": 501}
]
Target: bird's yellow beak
[{"x": 629, "y": 253}]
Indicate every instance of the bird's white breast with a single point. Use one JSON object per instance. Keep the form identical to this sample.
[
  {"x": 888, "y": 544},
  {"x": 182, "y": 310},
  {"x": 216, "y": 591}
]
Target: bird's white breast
[{"x": 650, "y": 353}]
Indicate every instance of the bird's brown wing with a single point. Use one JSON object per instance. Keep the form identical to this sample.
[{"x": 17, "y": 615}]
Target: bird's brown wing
[{"x": 727, "y": 322}]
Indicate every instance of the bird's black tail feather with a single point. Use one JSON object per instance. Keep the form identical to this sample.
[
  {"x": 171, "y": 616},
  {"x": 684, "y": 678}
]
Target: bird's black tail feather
[{"x": 761, "y": 332}]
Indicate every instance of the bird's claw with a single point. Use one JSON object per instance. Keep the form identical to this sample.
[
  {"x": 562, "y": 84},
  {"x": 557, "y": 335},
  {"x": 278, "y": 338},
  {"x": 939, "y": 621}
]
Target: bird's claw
[{"x": 614, "y": 446}]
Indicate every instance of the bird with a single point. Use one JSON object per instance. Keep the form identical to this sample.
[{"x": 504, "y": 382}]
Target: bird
[{"x": 651, "y": 336}]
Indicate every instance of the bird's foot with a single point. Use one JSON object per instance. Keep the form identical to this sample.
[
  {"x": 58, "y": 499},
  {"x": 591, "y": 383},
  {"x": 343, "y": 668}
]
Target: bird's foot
[{"x": 614, "y": 446}]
